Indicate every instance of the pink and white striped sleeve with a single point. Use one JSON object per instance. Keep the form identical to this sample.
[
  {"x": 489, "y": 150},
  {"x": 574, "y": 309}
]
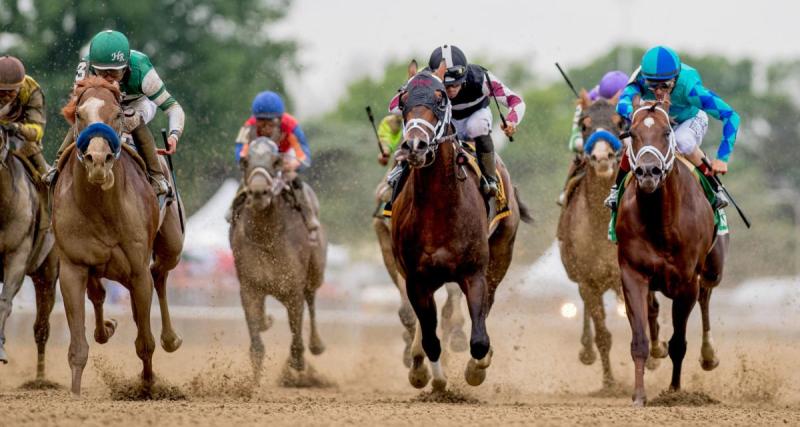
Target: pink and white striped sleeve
[
  {"x": 505, "y": 96},
  {"x": 394, "y": 104}
]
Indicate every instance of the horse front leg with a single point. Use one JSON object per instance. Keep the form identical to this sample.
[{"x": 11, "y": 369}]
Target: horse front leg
[
  {"x": 14, "y": 274},
  {"x": 295, "y": 310},
  {"x": 681, "y": 308},
  {"x": 453, "y": 320},
  {"x": 708, "y": 356},
  {"x": 587, "y": 355},
  {"x": 635, "y": 290},
  {"x": 593, "y": 298},
  {"x": 421, "y": 298},
  {"x": 170, "y": 340},
  {"x": 73, "y": 279},
  {"x": 141, "y": 298},
  {"x": 103, "y": 329},
  {"x": 315, "y": 344},
  {"x": 45, "y": 284},
  {"x": 253, "y": 305},
  {"x": 477, "y": 292}
]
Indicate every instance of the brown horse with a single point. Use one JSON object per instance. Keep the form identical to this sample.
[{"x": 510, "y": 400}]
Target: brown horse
[
  {"x": 452, "y": 317},
  {"x": 26, "y": 248},
  {"x": 588, "y": 256},
  {"x": 666, "y": 234},
  {"x": 440, "y": 231},
  {"x": 273, "y": 255},
  {"x": 108, "y": 225}
]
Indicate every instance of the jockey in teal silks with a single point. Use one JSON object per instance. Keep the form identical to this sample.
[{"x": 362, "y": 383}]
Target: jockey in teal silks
[{"x": 660, "y": 74}]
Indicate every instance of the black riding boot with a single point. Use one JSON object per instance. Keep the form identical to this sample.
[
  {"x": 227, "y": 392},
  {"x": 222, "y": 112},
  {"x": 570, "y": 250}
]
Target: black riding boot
[
  {"x": 484, "y": 147},
  {"x": 396, "y": 179}
]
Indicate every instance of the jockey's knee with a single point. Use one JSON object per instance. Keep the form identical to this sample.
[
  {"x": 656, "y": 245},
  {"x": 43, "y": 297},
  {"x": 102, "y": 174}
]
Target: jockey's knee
[{"x": 478, "y": 126}]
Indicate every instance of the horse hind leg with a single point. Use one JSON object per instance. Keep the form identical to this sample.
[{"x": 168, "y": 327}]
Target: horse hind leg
[
  {"x": 681, "y": 308},
  {"x": 425, "y": 338},
  {"x": 103, "y": 329},
  {"x": 658, "y": 349},
  {"x": 45, "y": 284},
  {"x": 170, "y": 340},
  {"x": 14, "y": 274},
  {"x": 602, "y": 336},
  {"x": 315, "y": 345},
  {"x": 453, "y": 320},
  {"x": 708, "y": 356},
  {"x": 476, "y": 290}
]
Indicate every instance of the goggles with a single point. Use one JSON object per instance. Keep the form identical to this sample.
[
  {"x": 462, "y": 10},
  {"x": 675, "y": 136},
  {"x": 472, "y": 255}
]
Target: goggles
[
  {"x": 660, "y": 84},
  {"x": 455, "y": 73}
]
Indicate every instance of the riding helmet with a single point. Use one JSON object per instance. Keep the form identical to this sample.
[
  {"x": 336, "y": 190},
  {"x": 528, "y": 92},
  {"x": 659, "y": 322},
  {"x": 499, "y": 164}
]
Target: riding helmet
[
  {"x": 611, "y": 83},
  {"x": 109, "y": 50},
  {"x": 268, "y": 105},
  {"x": 12, "y": 73},
  {"x": 660, "y": 63},
  {"x": 455, "y": 61}
]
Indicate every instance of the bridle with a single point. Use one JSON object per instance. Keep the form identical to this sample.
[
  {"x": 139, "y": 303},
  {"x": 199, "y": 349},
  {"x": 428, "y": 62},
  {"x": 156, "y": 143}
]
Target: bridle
[
  {"x": 665, "y": 160},
  {"x": 435, "y": 134}
]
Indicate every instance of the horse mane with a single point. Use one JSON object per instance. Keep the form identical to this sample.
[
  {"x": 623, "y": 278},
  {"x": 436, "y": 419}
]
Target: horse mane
[{"x": 68, "y": 111}]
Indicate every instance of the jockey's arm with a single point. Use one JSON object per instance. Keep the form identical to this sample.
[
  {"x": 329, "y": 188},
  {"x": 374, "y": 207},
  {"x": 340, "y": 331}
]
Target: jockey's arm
[
  {"x": 626, "y": 100},
  {"x": 305, "y": 159},
  {"x": 575, "y": 136},
  {"x": 506, "y": 97},
  {"x": 243, "y": 138},
  {"x": 713, "y": 105},
  {"x": 389, "y": 137},
  {"x": 31, "y": 124},
  {"x": 155, "y": 90}
]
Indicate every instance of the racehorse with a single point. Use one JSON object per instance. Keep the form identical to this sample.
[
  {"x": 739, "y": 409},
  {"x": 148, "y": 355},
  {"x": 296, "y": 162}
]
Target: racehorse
[
  {"x": 441, "y": 233},
  {"x": 452, "y": 317},
  {"x": 588, "y": 256},
  {"x": 273, "y": 255},
  {"x": 26, "y": 248},
  {"x": 666, "y": 242},
  {"x": 108, "y": 224}
]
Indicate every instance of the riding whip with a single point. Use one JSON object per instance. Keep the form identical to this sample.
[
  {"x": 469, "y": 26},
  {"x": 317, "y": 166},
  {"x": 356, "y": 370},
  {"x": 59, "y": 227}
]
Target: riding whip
[
  {"x": 727, "y": 194},
  {"x": 497, "y": 104},
  {"x": 566, "y": 79},
  {"x": 174, "y": 181},
  {"x": 375, "y": 129}
]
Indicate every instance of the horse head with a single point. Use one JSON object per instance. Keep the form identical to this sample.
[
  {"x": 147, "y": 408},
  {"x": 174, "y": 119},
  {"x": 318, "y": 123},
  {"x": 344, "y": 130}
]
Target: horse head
[
  {"x": 426, "y": 115},
  {"x": 262, "y": 168},
  {"x": 652, "y": 149},
  {"x": 600, "y": 125},
  {"x": 96, "y": 114}
]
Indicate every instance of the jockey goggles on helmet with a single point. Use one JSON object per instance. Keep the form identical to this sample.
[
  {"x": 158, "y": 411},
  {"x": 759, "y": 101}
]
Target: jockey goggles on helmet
[
  {"x": 660, "y": 84},
  {"x": 455, "y": 75}
]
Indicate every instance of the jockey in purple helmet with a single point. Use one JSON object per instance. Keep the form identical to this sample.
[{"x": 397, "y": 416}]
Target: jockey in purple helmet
[{"x": 608, "y": 88}]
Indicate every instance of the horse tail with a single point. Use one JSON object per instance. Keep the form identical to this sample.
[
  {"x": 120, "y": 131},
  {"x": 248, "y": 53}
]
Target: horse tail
[{"x": 524, "y": 211}]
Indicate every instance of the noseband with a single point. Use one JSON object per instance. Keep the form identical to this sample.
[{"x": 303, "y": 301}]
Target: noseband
[{"x": 665, "y": 161}]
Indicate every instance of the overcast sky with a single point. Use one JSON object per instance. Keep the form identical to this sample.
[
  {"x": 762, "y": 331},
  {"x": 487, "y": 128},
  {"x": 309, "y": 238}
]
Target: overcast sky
[{"x": 342, "y": 40}]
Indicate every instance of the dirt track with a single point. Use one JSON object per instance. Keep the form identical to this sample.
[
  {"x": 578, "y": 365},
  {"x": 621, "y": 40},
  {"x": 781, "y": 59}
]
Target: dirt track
[{"x": 535, "y": 378}]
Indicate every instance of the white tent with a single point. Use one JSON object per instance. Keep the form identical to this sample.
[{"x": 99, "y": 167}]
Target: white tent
[{"x": 207, "y": 229}]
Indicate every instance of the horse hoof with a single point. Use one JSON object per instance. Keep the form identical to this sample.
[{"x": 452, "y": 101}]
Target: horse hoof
[
  {"x": 587, "y": 356},
  {"x": 639, "y": 402},
  {"x": 474, "y": 375},
  {"x": 419, "y": 375},
  {"x": 101, "y": 336},
  {"x": 170, "y": 344},
  {"x": 3, "y": 356},
  {"x": 652, "y": 363},
  {"x": 266, "y": 323},
  {"x": 709, "y": 365},
  {"x": 439, "y": 385},
  {"x": 659, "y": 351},
  {"x": 316, "y": 347},
  {"x": 458, "y": 341}
]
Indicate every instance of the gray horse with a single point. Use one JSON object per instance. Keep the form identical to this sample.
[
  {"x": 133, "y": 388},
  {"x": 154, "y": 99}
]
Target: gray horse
[
  {"x": 273, "y": 255},
  {"x": 26, "y": 248}
]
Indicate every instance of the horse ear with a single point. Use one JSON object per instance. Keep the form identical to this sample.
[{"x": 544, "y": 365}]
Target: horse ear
[
  {"x": 614, "y": 99},
  {"x": 441, "y": 70},
  {"x": 412, "y": 68},
  {"x": 585, "y": 101}
]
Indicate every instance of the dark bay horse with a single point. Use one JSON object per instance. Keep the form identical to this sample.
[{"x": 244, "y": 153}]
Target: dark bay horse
[
  {"x": 452, "y": 317},
  {"x": 666, "y": 234},
  {"x": 107, "y": 224},
  {"x": 26, "y": 248},
  {"x": 273, "y": 255},
  {"x": 589, "y": 258},
  {"x": 440, "y": 231}
]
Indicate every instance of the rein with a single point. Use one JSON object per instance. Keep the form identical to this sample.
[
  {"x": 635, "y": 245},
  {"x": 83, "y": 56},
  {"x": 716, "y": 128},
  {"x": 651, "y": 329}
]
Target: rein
[{"x": 666, "y": 161}]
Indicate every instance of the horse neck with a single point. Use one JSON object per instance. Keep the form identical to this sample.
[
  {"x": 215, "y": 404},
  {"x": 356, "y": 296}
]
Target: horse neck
[
  {"x": 436, "y": 186},
  {"x": 8, "y": 189},
  {"x": 662, "y": 208},
  {"x": 594, "y": 189},
  {"x": 91, "y": 196},
  {"x": 259, "y": 225}
]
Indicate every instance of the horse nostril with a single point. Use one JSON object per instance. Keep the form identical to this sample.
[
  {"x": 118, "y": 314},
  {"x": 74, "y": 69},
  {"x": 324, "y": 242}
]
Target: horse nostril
[
  {"x": 109, "y": 158},
  {"x": 594, "y": 158},
  {"x": 88, "y": 158},
  {"x": 656, "y": 171},
  {"x": 610, "y": 156},
  {"x": 422, "y": 145},
  {"x": 639, "y": 171}
]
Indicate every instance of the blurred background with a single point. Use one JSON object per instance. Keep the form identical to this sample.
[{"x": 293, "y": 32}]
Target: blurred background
[{"x": 331, "y": 59}]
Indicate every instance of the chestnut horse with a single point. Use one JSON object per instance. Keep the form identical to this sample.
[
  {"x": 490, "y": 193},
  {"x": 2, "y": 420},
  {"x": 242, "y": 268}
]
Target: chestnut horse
[
  {"x": 26, "y": 248},
  {"x": 666, "y": 242},
  {"x": 440, "y": 231},
  {"x": 107, "y": 225},
  {"x": 588, "y": 256}
]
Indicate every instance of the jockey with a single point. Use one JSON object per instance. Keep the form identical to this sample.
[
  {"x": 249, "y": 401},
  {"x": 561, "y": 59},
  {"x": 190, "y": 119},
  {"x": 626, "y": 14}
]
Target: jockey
[
  {"x": 609, "y": 86},
  {"x": 469, "y": 92},
  {"x": 662, "y": 73},
  {"x": 390, "y": 134},
  {"x": 22, "y": 111},
  {"x": 269, "y": 119},
  {"x": 111, "y": 58}
]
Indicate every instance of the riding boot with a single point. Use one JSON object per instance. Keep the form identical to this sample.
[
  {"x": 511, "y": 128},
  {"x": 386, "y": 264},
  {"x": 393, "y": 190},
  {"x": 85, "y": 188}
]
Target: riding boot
[
  {"x": 33, "y": 152},
  {"x": 720, "y": 199},
  {"x": 396, "y": 179},
  {"x": 50, "y": 177},
  {"x": 485, "y": 150},
  {"x": 622, "y": 171},
  {"x": 304, "y": 205},
  {"x": 146, "y": 146}
]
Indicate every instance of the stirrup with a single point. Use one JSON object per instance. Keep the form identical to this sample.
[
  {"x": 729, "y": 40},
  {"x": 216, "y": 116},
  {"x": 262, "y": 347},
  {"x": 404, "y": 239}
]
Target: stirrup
[
  {"x": 50, "y": 177},
  {"x": 488, "y": 187},
  {"x": 720, "y": 201},
  {"x": 611, "y": 200}
]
